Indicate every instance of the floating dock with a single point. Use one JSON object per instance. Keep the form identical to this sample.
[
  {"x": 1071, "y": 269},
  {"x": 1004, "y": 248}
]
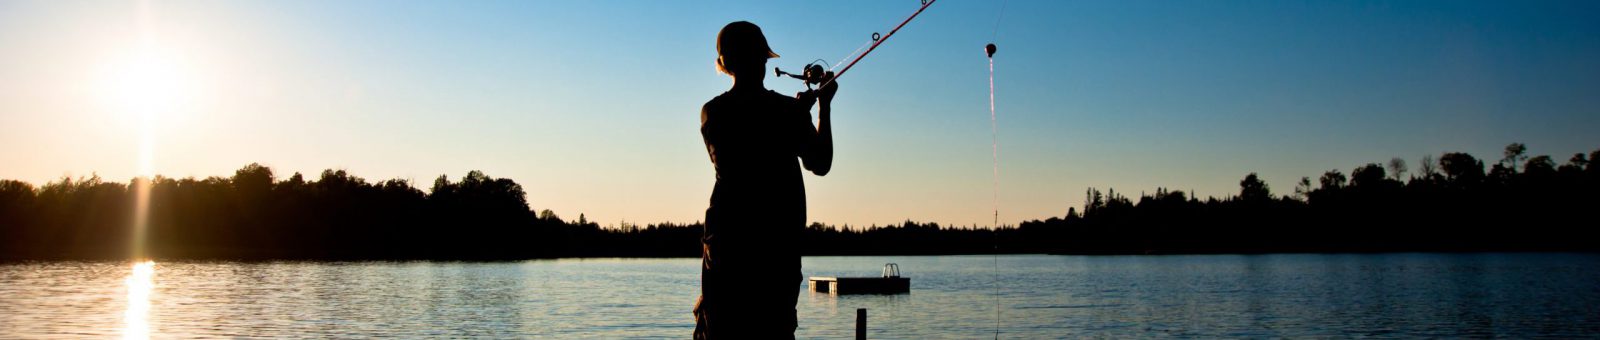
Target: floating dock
[{"x": 890, "y": 283}]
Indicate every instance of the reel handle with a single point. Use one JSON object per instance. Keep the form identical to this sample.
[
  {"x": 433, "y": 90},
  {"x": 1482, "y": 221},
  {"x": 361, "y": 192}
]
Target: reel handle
[{"x": 814, "y": 74}]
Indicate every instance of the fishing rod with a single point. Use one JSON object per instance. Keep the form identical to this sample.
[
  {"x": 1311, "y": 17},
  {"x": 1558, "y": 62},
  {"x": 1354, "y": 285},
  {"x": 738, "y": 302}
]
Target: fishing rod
[{"x": 814, "y": 73}]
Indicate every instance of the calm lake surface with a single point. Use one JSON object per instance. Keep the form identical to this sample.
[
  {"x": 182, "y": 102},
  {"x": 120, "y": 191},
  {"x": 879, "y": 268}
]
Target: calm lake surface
[{"x": 1039, "y": 296}]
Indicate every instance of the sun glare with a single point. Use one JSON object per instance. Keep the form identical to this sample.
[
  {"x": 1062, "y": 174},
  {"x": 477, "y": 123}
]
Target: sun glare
[{"x": 146, "y": 83}]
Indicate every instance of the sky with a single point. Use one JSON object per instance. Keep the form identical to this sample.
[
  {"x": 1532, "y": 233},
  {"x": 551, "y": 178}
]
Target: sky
[{"x": 593, "y": 105}]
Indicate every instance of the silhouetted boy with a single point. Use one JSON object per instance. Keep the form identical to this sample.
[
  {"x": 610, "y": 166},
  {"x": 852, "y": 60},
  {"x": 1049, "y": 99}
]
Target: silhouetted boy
[{"x": 750, "y": 258}]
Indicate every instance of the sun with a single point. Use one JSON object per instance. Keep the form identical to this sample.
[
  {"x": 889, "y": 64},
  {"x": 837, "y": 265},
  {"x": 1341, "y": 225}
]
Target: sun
[
  {"x": 143, "y": 87},
  {"x": 146, "y": 86},
  {"x": 148, "y": 83},
  {"x": 146, "y": 80}
]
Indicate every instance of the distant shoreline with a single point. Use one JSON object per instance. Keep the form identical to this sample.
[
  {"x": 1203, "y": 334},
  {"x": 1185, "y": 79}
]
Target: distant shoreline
[{"x": 1521, "y": 204}]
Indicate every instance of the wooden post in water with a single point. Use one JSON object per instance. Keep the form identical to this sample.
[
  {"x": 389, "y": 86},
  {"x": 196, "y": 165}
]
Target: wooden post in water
[{"x": 861, "y": 324}]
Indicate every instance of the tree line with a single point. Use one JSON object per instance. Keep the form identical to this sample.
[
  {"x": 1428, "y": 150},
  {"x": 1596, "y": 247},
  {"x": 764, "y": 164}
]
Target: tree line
[
  {"x": 254, "y": 215},
  {"x": 1451, "y": 203}
]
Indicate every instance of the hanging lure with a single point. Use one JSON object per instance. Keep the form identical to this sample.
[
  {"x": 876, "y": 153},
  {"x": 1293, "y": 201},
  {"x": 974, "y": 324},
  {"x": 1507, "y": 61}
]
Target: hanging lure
[
  {"x": 994, "y": 140},
  {"x": 814, "y": 73},
  {"x": 994, "y": 135}
]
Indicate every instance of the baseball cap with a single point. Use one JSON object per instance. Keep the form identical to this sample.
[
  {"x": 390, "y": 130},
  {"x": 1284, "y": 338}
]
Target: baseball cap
[{"x": 742, "y": 38}]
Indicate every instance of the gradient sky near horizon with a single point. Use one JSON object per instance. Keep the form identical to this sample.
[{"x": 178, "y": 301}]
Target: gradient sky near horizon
[{"x": 593, "y": 105}]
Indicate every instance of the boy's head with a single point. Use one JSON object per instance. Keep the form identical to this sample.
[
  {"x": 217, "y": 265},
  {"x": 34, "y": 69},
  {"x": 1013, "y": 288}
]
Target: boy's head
[{"x": 742, "y": 50}]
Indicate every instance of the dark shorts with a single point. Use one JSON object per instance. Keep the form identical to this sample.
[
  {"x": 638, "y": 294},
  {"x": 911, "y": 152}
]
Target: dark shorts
[{"x": 747, "y": 291}]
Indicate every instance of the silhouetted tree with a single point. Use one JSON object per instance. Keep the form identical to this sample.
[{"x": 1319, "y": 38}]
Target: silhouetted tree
[
  {"x": 1093, "y": 200},
  {"x": 17, "y": 211},
  {"x": 1332, "y": 180},
  {"x": 1541, "y": 165},
  {"x": 1367, "y": 176},
  {"x": 1515, "y": 153},
  {"x": 1575, "y": 165},
  {"x": 1461, "y": 168},
  {"x": 1500, "y": 174},
  {"x": 253, "y": 179},
  {"x": 1594, "y": 157},
  {"x": 1252, "y": 188},
  {"x": 1397, "y": 167},
  {"x": 1302, "y": 189},
  {"x": 1428, "y": 168},
  {"x": 548, "y": 215}
]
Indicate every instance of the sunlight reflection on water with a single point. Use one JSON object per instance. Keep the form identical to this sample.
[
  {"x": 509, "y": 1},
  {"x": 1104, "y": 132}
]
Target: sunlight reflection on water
[
  {"x": 140, "y": 283},
  {"x": 1225, "y": 296}
]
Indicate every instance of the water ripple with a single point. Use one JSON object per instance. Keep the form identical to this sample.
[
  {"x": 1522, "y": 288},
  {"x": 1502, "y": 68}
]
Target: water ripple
[{"x": 1267, "y": 296}]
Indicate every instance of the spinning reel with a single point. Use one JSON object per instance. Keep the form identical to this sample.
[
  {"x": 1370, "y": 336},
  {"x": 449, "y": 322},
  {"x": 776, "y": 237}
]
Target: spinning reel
[{"x": 813, "y": 74}]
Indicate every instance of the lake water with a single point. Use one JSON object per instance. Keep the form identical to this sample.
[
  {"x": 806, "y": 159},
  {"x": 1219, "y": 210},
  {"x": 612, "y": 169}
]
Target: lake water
[{"x": 1039, "y": 296}]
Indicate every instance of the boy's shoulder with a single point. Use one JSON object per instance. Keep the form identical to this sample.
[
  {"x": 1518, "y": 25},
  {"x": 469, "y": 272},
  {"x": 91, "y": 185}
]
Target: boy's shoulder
[
  {"x": 743, "y": 102},
  {"x": 765, "y": 97}
]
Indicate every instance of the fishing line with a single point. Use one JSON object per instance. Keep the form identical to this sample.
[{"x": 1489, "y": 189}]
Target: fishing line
[
  {"x": 994, "y": 140},
  {"x": 852, "y": 54},
  {"x": 996, "y": 32}
]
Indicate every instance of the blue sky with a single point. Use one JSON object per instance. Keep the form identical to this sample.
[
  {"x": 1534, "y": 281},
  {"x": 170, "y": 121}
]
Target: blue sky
[{"x": 593, "y": 106}]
